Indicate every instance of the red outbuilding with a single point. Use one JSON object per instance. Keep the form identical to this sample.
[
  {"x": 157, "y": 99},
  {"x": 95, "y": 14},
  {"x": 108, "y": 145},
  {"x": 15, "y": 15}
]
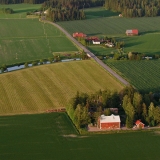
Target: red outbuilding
[
  {"x": 132, "y": 32},
  {"x": 139, "y": 124},
  {"x": 109, "y": 122},
  {"x": 77, "y": 34}
]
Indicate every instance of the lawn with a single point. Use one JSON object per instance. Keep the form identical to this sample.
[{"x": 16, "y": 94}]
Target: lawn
[
  {"x": 144, "y": 74},
  {"x": 24, "y": 40},
  {"x": 52, "y": 136},
  {"x": 38, "y": 89}
]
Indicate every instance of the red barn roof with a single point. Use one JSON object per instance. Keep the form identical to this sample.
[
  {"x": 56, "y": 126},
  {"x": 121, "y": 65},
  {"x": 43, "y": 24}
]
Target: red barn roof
[
  {"x": 132, "y": 32},
  {"x": 77, "y": 34}
]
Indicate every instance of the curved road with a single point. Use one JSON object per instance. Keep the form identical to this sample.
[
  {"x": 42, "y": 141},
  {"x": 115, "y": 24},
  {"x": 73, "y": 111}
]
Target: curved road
[{"x": 123, "y": 81}]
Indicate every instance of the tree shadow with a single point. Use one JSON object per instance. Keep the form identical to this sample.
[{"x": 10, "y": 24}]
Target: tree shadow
[{"x": 149, "y": 32}]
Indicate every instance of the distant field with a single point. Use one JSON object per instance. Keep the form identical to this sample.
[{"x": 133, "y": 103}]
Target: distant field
[
  {"x": 112, "y": 26},
  {"x": 19, "y": 10},
  {"x": 51, "y": 86},
  {"x": 115, "y": 26},
  {"x": 27, "y": 39},
  {"x": 98, "y": 12},
  {"x": 52, "y": 136},
  {"x": 144, "y": 75}
]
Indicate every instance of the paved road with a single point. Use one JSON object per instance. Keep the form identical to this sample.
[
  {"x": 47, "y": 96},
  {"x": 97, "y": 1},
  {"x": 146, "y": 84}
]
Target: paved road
[{"x": 123, "y": 81}]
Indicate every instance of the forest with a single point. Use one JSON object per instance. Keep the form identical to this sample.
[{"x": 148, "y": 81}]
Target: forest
[
  {"x": 86, "y": 108},
  {"x": 81, "y": 3},
  {"x": 134, "y": 8},
  {"x": 61, "y": 10}
]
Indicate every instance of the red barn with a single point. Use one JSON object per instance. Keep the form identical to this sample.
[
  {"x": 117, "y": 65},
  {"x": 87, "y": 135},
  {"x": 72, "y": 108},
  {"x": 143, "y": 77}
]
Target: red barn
[
  {"x": 109, "y": 122},
  {"x": 132, "y": 32},
  {"x": 139, "y": 124},
  {"x": 77, "y": 34}
]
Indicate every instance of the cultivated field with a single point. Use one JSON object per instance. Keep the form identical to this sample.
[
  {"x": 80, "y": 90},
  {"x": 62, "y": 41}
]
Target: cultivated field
[
  {"x": 144, "y": 75},
  {"x": 52, "y": 136},
  {"x": 38, "y": 89},
  {"x": 24, "y": 40}
]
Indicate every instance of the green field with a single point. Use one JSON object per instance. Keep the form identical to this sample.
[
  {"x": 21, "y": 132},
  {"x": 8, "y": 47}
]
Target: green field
[
  {"x": 144, "y": 74},
  {"x": 38, "y": 89},
  {"x": 20, "y": 10},
  {"x": 52, "y": 136},
  {"x": 24, "y": 40},
  {"x": 99, "y": 12},
  {"x": 113, "y": 26}
]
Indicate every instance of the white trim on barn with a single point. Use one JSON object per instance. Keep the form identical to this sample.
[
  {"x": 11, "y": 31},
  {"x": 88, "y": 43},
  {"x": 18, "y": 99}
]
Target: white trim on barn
[{"x": 96, "y": 42}]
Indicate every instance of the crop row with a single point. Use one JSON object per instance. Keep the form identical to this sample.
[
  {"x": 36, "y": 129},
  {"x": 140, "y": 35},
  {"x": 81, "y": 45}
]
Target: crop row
[{"x": 144, "y": 75}]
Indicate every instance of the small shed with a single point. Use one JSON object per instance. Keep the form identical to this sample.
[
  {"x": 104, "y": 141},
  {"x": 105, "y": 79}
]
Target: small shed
[
  {"x": 109, "y": 122},
  {"x": 77, "y": 34},
  {"x": 139, "y": 124},
  {"x": 132, "y": 32}
]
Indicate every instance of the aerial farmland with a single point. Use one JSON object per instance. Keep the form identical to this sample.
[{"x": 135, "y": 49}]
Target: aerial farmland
[{"x": 51, "y": 107}]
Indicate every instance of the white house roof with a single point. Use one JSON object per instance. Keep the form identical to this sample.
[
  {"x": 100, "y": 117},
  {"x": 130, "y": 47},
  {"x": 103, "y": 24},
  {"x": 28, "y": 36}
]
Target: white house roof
[
  {"x": 109, "y": 119},
  {"x": 129, "y": 31}
]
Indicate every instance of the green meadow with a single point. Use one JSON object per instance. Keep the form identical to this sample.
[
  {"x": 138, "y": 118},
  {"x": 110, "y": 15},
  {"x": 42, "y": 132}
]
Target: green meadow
[
  {"x": 52, "y": 136},
  {"x": 113, "y": 26},
  {"x": 25, "y": 40},
  {"x": 45, "y": 87},
  {"x": 99, "y": 12}
]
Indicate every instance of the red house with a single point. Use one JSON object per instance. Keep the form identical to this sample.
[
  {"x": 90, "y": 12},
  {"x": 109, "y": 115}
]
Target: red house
[
  {"x": 77, "y": 34},
  {"x": 139, "y": 124},
  {"x": 132, "y": 32},
  {"x": 109, "y": 122}
]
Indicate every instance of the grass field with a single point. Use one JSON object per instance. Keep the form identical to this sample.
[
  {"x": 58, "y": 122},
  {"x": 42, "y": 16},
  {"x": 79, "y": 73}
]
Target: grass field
[
  {"x": 51, "y": 86},
  {"x": 52, "y": 136},
  {"x": 144, "y": 75},
  {"x": 24, "y": 40},
  {"x": 113, "y": 26},
  {"x": 20, "y": 10},
  {"x": 99, "y": 12}
]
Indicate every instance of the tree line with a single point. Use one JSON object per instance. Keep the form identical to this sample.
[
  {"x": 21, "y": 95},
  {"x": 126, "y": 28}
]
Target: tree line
[
  {"x": 134, "y": 8},
  {"x": 63, "y": 10},
  {"x": 85, "y": 108}
]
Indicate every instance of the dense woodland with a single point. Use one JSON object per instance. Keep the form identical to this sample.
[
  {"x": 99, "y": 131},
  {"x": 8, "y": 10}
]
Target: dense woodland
[
  {"x": 86, "y": 108},
  {"x": 135, "y": 8}
]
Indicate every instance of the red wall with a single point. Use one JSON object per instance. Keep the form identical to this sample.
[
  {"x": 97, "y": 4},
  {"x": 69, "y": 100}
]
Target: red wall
[{"x": 110, "y": 125}]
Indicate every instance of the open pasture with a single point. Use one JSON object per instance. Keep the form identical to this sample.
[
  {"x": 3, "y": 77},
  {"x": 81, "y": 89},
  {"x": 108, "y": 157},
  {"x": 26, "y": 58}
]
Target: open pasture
[
  {"x": 24, "y": 40},
  {"x": 20, "y": 10},
  {"x": 144, "y": 74},
  {"x": 41, "y": 88},
  {"x": 52, "y": 136}
]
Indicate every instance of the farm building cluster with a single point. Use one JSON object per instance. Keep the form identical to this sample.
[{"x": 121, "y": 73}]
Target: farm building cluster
[
  {"x": 132, "y": 32},
  {"x": 94, "y": 39},
  {"x": 114, "y": 122}
]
